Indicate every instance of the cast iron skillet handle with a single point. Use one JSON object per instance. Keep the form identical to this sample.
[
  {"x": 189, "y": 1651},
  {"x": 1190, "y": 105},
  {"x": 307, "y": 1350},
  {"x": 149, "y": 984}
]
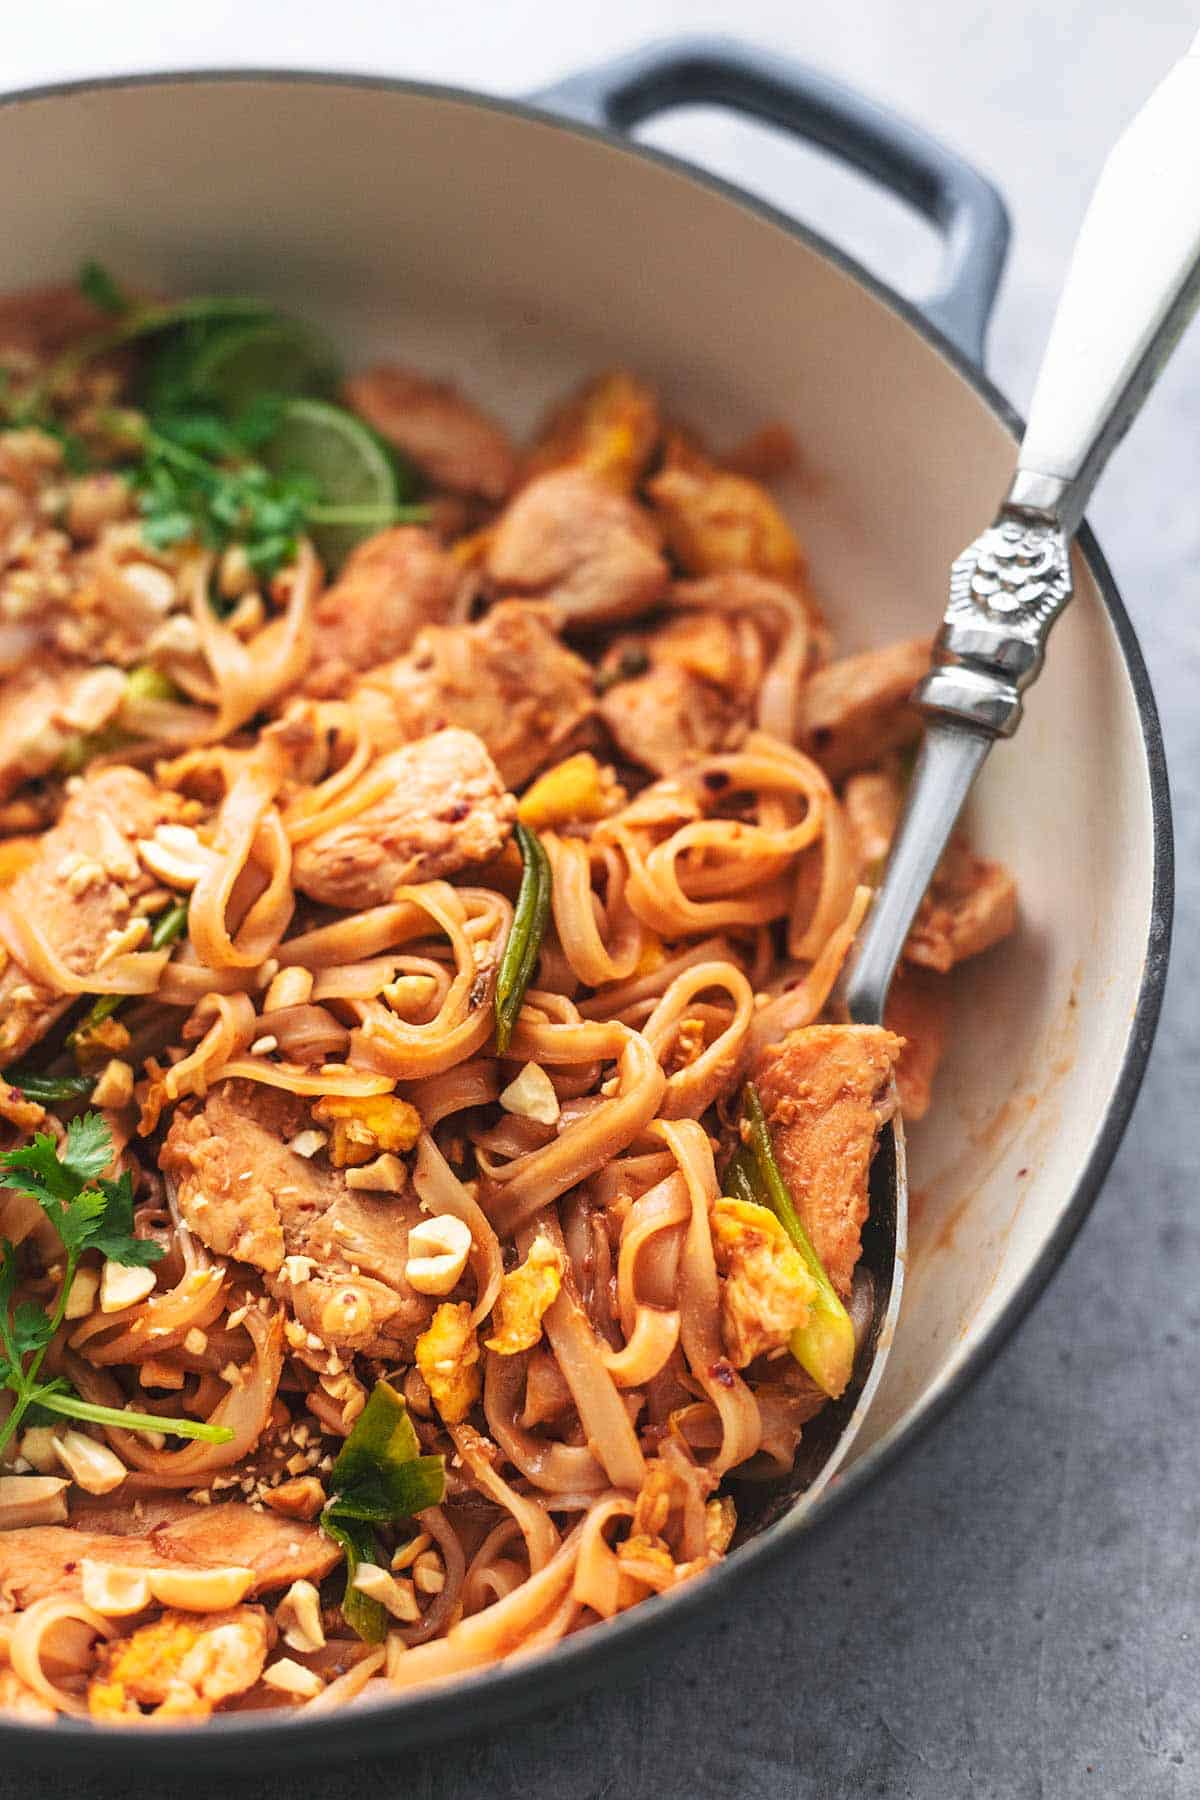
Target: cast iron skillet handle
[{"x": 960, "y": 202}]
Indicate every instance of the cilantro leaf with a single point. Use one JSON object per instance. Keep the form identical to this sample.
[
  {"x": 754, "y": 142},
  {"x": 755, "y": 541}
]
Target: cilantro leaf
[
  {"x": 89, "y": 1146},
  {"x": 113, "y": 1233},
  {"x": 87, "y": 1211},
  {"x": 31, "y": 1327},
  {"x": 98, "y": 286}
]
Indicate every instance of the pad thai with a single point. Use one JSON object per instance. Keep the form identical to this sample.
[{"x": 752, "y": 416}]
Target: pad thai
[{"x": 432, "y": 1165}]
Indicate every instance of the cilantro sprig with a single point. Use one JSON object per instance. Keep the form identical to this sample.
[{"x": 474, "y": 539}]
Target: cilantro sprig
[
  {"x": 197, "y": 479},
  {"x": 89, "y": 1212}
]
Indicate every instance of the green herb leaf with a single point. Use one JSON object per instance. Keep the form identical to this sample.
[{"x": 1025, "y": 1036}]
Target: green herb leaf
[
  {"x": 98, "y": 286},
  {"x": 47, "y": 1090},
  {"x": 379, "y": 1478},
  {"x": 359, "y": 1545},
  {"x": 380, "y": 1473},
  {"x": 86, "y": 1211},
  {"x": 31, "y": 1327}
]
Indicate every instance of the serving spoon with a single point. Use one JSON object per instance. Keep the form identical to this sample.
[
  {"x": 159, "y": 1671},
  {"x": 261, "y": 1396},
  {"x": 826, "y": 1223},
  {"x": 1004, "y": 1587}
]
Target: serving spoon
[{"x": 1131, "y": 288}]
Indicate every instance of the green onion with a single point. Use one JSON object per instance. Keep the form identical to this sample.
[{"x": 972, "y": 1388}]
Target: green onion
[
  {"x": 169, "y": 926},
  {"x": 379, "y": 1478},
  {"x": 48, "y": 1088},
  {"x": 380, "y": 1474},
  {"x": 825, "y": 1346},
  {"x": 524, "y": 944},
  {"x": 167, "y": 929},
  {"x": 359, "y": 1545}
]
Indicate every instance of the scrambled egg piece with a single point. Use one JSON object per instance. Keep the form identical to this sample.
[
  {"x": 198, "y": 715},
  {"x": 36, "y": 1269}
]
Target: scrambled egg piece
[
  {"x": 362, "y": 1129},
  {"x": 448, "y": 1358},
  {"x": 649, "y": 1562},
  {"x": 181, "y": 1665},
  {"x": 526, "y": 1295},
  {"x": 715, "y": 521},
  {"x": 610, "y": 428},
  {"x": 767, "y": 1292},
  {"x": 575, "y": 789}
]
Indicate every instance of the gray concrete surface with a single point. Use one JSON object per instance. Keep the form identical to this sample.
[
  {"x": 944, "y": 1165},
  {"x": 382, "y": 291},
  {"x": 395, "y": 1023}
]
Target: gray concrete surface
[{"x": 1014, "y": 1614}]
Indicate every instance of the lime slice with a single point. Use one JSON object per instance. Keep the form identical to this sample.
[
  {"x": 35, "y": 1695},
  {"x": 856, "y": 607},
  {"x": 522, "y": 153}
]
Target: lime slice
[
  {"x": 150, "y": 320},
  {"x": 262, "y": 356},
  {"x": 350, "y": 466}
]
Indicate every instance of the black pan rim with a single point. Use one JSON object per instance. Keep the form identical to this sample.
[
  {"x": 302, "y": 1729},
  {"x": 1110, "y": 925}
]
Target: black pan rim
[{"x": 465, "y": 1706}]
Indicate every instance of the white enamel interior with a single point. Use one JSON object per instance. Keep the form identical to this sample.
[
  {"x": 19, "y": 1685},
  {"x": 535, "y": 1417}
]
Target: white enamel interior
[{"x": 517, "y": 257}]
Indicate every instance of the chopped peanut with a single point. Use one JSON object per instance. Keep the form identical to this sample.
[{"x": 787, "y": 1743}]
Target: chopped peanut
[
  {"x": 288, "y": 1677},
  {"x": 121, "y": 1286},
  {"x": 438, "y": 1249},
  {"x": 32, "y": 1500},
  {"x": 531, "y": 1096},
  {"x": 84, "y": 1289},
  {"x": 93, "y": 1466},
  {"x": 117, "y": 1593},
  {"x": 397, "y": 1597},
  {"x": 298, "y": 1616},
  {"x": 115, "y": 1086}
]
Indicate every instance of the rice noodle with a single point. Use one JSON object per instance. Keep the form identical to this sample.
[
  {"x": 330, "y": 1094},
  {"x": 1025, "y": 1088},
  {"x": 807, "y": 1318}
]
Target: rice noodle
[{"x": 320, "y": 1100}]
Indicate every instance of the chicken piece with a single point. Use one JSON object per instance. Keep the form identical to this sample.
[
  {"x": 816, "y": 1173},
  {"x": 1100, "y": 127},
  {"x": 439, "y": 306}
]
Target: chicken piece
[
  {"x": 610, "y": 427},
  {"x": 182, "y": 1665},
  {"x": 246, "y": 1195},
  {"x": 45, "y": 708},
  {"x": 856, "y": 709},
  {"x": 389, "y": 587},
  {"x": 871, "y": 803},
  {"x": 705, "y": 644},
  {"x": 452, "y": 443},
  {"x": 38, "y": 1560},
  {"x": 526, "y": 1294},
  {"x": 693, "y": 694},
  {"x": 507, "y": 678},
  {"x": 666, "y": 717},
  {"x": 571, "y": 538},
  {"x": 547, "y": 1395},
  {"x": 971, "y": 905},
  {"x": 918, "y": 1010},
  {"x": 444, "y": 808},
  {"x": 79, "y": 890},
  {"x": 448, "y": 1357},
  {"x": 39, "y": 322},
  {"x": 821, "y": 1090},
  {"x": 714, "y": 520},
  {"x": 767, "y": 1292}
]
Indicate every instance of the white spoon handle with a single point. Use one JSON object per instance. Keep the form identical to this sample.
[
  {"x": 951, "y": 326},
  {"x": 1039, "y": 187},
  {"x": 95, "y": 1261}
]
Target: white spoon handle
[{"x": 1130, "y": 290}]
